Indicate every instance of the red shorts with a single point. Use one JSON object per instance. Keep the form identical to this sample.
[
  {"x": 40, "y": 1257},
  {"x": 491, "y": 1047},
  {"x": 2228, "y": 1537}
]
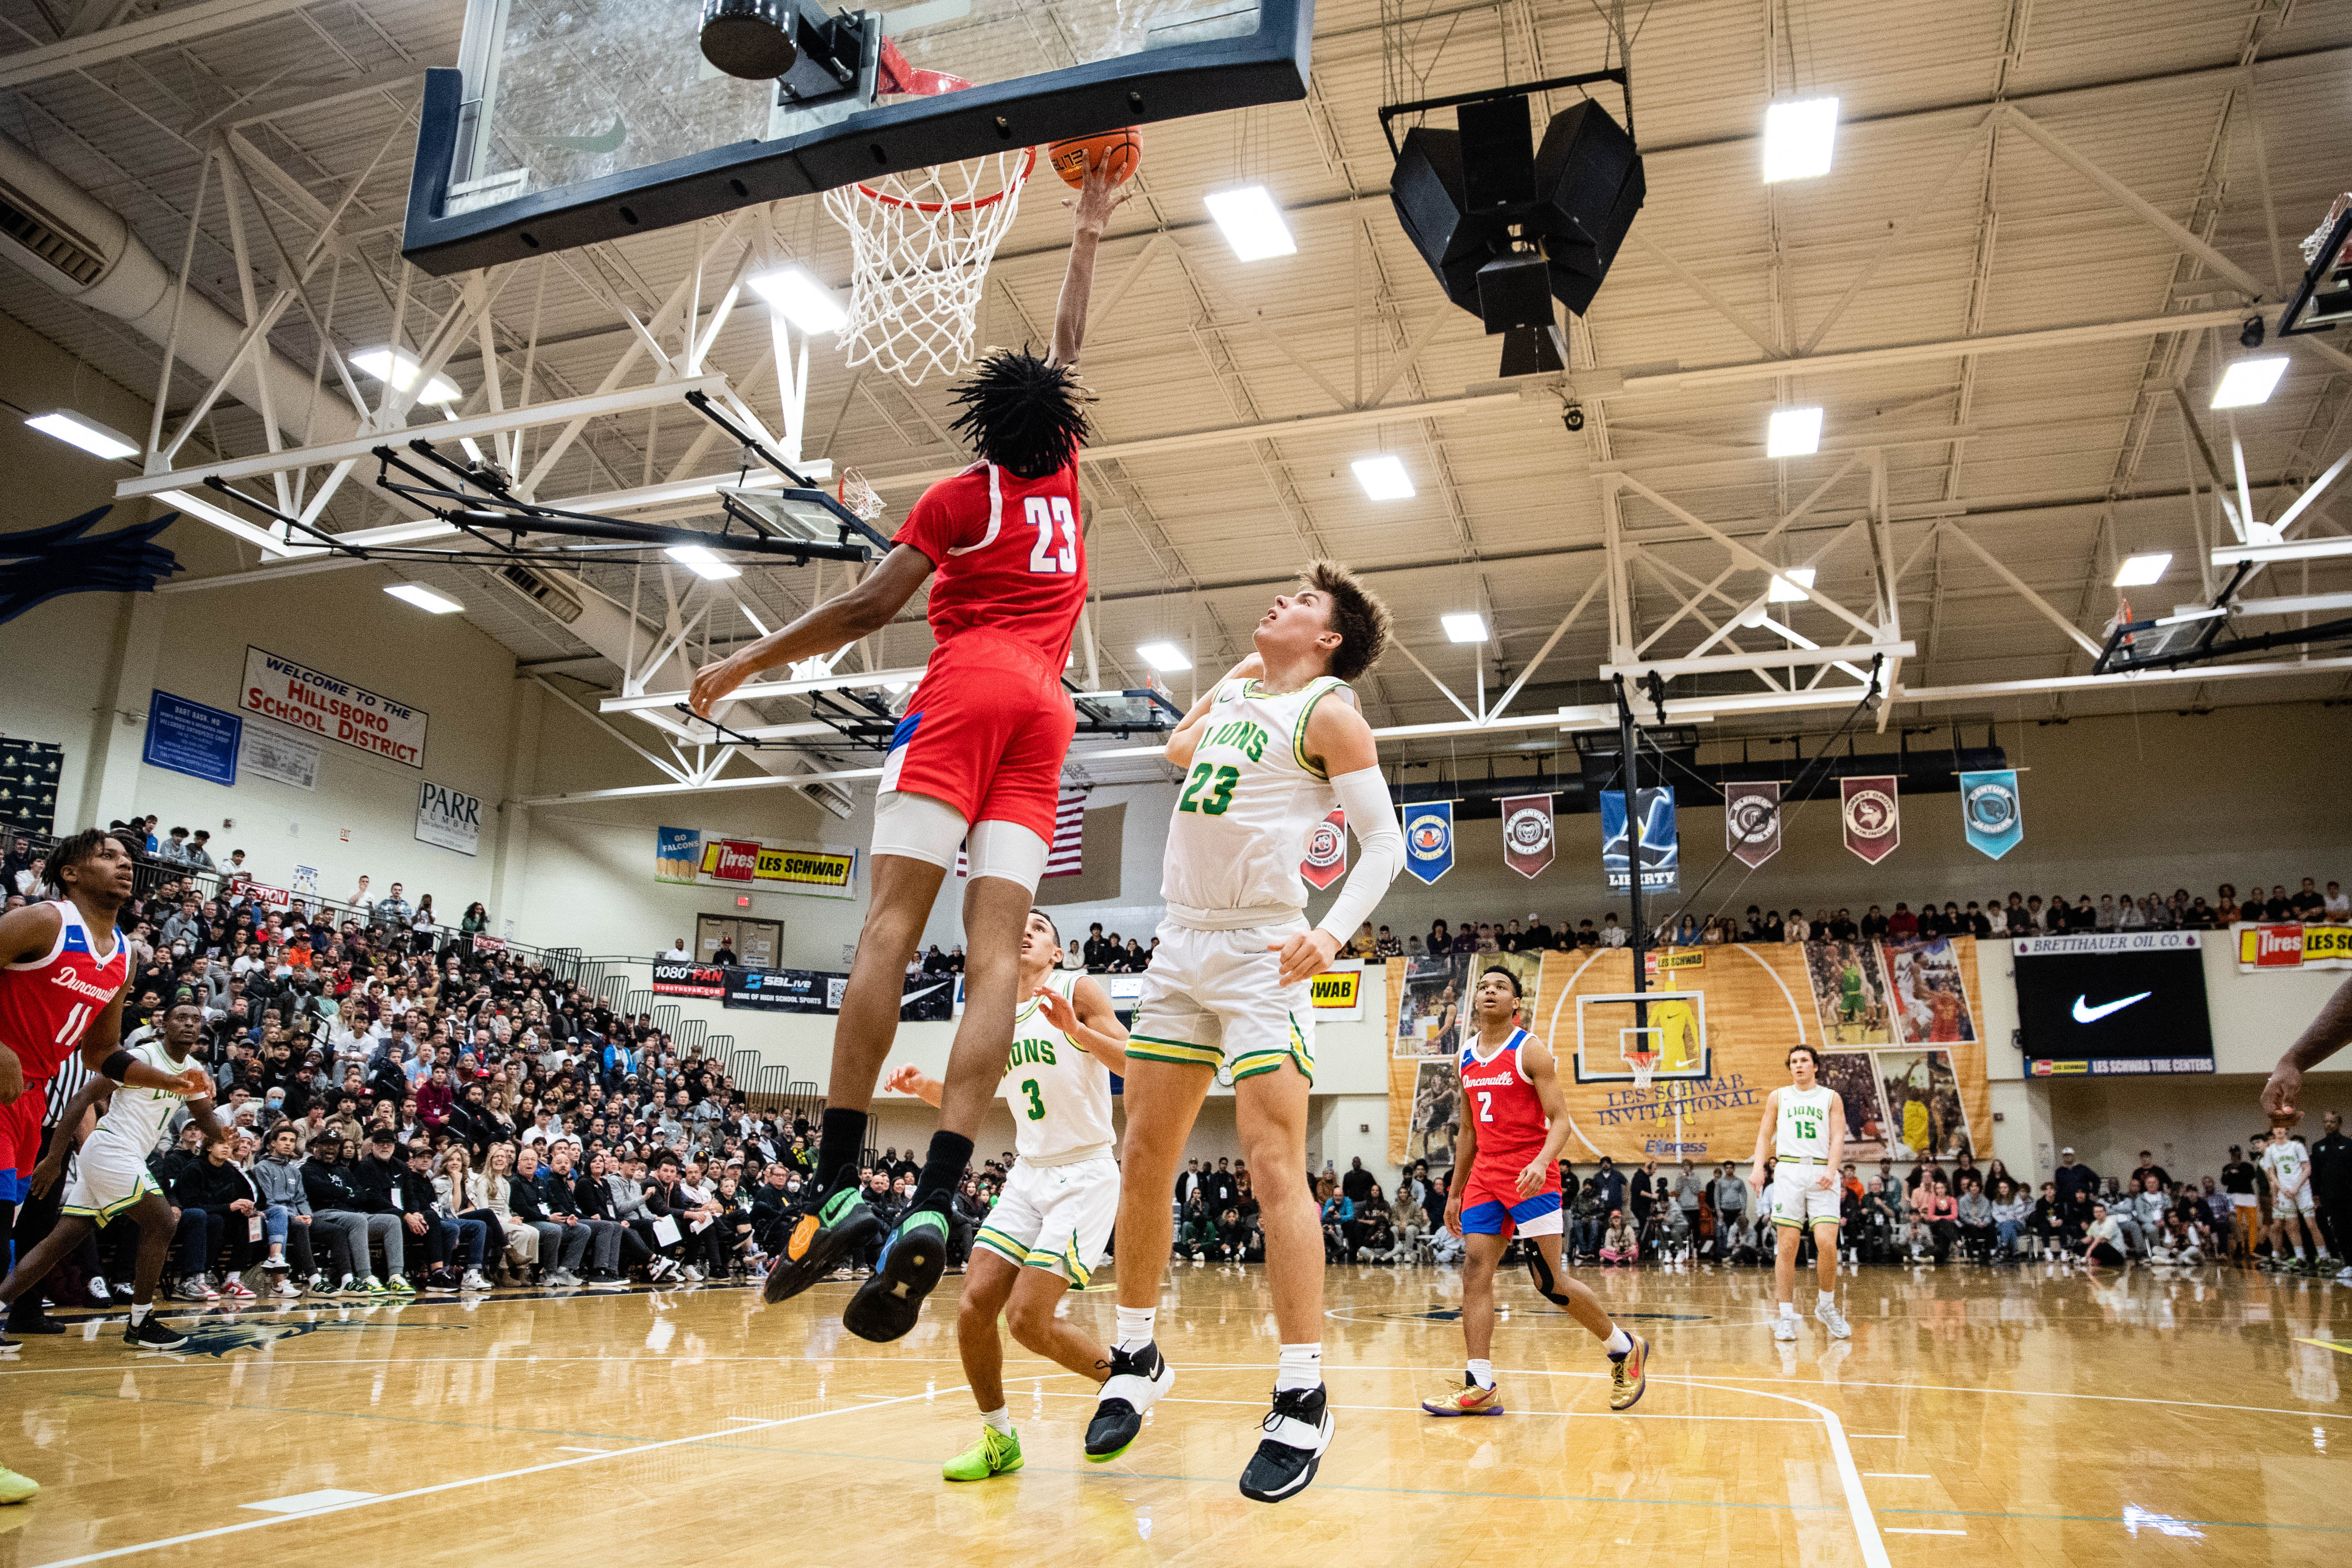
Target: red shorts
[
  {"x": 1491, "y": 1203},
  {"x": 986, "y": 731},
  {"x": 20, "y": 1129}
]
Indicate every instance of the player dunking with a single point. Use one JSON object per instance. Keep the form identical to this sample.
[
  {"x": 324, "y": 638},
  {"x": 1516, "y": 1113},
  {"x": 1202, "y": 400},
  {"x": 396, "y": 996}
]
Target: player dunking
[
  {"x": 1804, "y": 1127},
  {"x": 977, "y": 761},
  {"x": 1514, "y": 1120},
  {"x": 60, "y": 991},
  {"x": 1048, "y": 1230},
  {"x": 1267, "y": 751},
  {"x": 110, "y": 1180}
]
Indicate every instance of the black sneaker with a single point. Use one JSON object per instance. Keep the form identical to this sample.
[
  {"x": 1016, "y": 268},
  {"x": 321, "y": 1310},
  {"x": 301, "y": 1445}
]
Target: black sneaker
[
  {"x": 1297, "y": 1430},
  {"x": 149, "y": 1335},
  {"x": 887, "y": 1304},
  {"x": 821, "y": 1237},
  {"x": 123, "y": 1292},
  {"x": 38, "y": 1323},
  {"x": 1137, "y": 1378}
]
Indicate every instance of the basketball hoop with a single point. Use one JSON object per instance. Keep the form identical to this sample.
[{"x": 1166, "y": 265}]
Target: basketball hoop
[
  {"x": 858, "y": 496},
  {"x": 1643, "y": 1064},
  {"x": 920, "y": 244}
]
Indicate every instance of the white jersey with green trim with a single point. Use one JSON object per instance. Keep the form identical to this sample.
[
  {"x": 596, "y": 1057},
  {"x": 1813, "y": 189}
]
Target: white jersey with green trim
[
  {"x": 134, "y": 1119},
  {"x": 1803, "y": 1131},
  {"x": 1245, "y": 809},
  {"x": 1059, "y": 1093},
  {"x": 2286, "y": 1160}
]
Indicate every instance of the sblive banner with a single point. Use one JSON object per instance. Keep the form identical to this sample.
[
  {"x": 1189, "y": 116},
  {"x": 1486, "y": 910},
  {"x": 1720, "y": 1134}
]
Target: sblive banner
[
  {"x": 2270, "y": 949},
  {"x": 1660, "y": 849},
  {"x": 1751, "y": 822},
  {"x": 1528, "y": 845},
  {"x": 306, "y": 698},
  {"x": 1429, "y": 839},
  {"x": 1326, "y": 861},
  {"x": 1873, "y": 822},
  {"x": 449, "y": 818},
  {"x": 1988, "y": 811},
  {"x": 926, "y": 997}
]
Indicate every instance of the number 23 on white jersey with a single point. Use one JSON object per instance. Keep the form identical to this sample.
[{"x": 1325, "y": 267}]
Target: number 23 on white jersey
[{"x": 1049, "y": 515}]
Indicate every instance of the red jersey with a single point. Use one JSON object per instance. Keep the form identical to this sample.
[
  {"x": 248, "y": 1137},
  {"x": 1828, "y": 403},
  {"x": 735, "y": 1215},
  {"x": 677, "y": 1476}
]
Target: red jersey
[
  {"x": 47, "y": 1003},
  {"x": 1496, "y": 1091},
  {"x": 1009, "y": 552}
]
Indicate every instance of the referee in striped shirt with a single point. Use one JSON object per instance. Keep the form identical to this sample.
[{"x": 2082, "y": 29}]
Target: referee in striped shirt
[{"x": 36, "y": 1216}]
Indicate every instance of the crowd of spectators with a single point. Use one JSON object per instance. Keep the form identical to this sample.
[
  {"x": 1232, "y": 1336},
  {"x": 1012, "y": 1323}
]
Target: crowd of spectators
[
  {"x": 2018, "y": 914},
  {"x": 409, "y": 1109}
]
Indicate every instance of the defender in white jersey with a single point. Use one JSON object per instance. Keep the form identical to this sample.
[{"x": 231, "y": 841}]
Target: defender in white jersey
[
  {"x": 1804, "y": 1128},
  {"x": 2294, "y": 1228},
  {"x": 1051, "y": 1223},
  {"x": 111, "y": 1178},
  {"x": 1265, "y": 753}
]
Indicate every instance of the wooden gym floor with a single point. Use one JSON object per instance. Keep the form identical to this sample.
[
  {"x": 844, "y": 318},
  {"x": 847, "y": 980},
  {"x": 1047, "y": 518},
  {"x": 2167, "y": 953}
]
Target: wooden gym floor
[{"x": 1976, "y": 1416}]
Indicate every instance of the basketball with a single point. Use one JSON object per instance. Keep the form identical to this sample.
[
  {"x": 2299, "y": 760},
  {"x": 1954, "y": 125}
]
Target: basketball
[{"x": 1072, "y": 158}]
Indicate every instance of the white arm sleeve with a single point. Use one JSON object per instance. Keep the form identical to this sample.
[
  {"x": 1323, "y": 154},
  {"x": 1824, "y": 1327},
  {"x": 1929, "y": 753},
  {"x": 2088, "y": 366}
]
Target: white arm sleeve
[{"x": 1379, "y": 850}]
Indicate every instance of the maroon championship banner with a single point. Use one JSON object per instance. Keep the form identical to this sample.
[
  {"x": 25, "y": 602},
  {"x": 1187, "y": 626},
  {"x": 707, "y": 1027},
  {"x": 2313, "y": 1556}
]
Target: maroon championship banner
[
  {"x": 1326, "y": 851},
  {"x": 1528, "y": 845},
  {"x": 1873, "y": 823},
  {"x": 1751, "y": 822}
]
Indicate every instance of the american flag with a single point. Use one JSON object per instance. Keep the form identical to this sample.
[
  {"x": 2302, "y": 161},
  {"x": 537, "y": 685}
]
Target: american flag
[{"x": 1064, "y": 858}]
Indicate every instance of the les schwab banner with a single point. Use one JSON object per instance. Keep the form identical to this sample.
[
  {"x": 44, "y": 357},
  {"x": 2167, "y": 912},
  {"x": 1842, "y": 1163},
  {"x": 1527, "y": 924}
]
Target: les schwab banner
[
  {"x": 827, "y": 873},
  {"x": 1338, "y": 991},
  {"x": 312, "y": 700},
  {"x": 2271, "y": 949}
]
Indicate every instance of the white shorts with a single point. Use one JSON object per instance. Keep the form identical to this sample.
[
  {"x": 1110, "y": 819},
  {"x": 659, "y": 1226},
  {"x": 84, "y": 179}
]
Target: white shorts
[
  {"x": 2283, "y": 1206},
  {"x": 1054, "y": 1218},
  {"x": 108, "y": 1179},
  {"x": 1797, "y": 1202},
  {"x": 1217, "y": 997}
]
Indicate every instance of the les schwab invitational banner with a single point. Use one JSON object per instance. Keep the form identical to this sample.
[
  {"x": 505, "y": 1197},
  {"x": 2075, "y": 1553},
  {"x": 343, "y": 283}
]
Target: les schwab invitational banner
[{"x": 1896, "y": 1027}]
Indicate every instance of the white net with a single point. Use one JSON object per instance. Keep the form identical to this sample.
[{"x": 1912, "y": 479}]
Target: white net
[
  {"x": 859, "y": 497},
  {"x": 920, "y": 248}
]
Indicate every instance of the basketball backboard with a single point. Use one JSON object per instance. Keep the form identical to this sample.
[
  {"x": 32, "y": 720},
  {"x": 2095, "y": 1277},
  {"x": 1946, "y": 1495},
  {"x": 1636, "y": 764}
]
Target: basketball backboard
[
  {"x": 1670, "y": 1026},
  {"x": 569, "y": 121}
]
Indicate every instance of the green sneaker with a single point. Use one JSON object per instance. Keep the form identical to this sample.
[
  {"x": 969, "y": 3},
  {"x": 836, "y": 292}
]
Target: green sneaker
[
  {"x": 370, "y": 1285},
  {"x": 398, "y": 1285},
  {"x": 887, "y": 1304},
  {"x": 996, "y": 1454},
  {"x": 819, "y": 1238}
]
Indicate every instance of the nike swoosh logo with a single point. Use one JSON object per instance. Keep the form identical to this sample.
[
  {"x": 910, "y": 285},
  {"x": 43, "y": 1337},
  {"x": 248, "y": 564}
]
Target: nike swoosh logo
[
  {"x": 2087, "y": 1014},
  {"x": 926, "y": 991},
  {"x": 608, "y": 142}
]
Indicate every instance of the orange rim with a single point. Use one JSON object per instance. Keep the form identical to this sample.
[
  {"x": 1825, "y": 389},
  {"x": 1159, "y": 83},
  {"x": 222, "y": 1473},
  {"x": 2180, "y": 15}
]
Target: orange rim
[{"x": 1028, "y": 162}]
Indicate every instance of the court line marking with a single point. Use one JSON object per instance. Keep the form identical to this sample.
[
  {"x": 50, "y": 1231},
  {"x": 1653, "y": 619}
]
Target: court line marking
[
  {"x": 244, "y": 1525},
  {"x": 565, "y": 1450},
  {"x": 1410, "y": 1409},
  {"x": 2031, "y": 1394},
  {"x": 1893, "y": 1531}
]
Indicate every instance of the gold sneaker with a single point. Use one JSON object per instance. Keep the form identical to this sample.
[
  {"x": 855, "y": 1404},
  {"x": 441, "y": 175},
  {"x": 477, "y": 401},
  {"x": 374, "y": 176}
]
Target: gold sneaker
[
  {"x": 1628, "y": 1374},
  {"x": 1467, "y": 1400}
]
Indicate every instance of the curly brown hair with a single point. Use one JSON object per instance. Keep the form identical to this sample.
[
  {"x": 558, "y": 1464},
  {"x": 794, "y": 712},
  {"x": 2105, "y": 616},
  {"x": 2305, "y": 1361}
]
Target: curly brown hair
[{"x": 1357, "y": 615}]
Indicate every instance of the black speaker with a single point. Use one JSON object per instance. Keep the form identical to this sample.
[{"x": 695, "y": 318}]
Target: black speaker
[
  {"x": 1461, "y": 195},
  {"x": 750, "y": 39}
]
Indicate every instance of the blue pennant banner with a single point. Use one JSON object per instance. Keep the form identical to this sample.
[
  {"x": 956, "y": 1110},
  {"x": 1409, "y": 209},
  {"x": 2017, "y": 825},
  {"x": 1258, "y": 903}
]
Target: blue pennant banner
[
  {"x": 1429, "y": 839},
  {"x": 1989, "y": 811}
]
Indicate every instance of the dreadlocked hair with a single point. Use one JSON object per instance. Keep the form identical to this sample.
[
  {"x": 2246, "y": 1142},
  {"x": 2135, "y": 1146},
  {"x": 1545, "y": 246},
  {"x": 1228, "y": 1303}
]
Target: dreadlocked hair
[
  {"x": 1024, "y": 414},
  {"x": 73, "y": 851},
  {"x": 1360, "y": 618}
]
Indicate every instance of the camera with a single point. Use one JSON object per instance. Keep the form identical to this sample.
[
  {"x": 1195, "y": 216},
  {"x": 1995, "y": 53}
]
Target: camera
[{"x": 1573, "y": 417}]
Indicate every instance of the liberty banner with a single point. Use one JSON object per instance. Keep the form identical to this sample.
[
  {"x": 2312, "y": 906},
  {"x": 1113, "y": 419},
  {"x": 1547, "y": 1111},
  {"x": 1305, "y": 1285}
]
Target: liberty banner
[
  {"x": 1990, "y": 812},
  {"x": 1528, "y": 845},
  {"x": 1873, "y": 823},
  {"x": 1751, "y": 822},
  {"x": 1661, "y": 851},
  {"x": 1326, "y": 851},
  {"x": 1429, "y": 839}
]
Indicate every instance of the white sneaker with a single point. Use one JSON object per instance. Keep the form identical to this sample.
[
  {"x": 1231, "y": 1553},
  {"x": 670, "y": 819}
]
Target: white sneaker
[
  {"x": 287, "y": 1289},
  {"x": 693, "y": 1271},
  {"x": 1827, "y": 1314},
  {"x": 1784, "y": 1327},
  {"x": 473, "y": 1281}
]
